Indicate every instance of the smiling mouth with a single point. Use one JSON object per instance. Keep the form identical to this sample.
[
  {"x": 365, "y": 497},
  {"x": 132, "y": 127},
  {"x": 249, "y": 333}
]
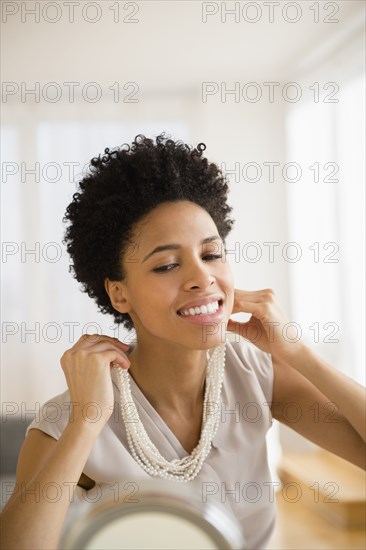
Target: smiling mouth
[{"x": 207, "y": 309}]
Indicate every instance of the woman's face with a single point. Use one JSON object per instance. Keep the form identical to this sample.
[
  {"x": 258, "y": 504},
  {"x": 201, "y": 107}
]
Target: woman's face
[{"x": 176, "y": 264}]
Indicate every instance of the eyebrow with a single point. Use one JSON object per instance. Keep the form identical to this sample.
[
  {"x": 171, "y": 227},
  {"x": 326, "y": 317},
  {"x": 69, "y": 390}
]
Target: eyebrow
[{"x": 178, "y": 246}]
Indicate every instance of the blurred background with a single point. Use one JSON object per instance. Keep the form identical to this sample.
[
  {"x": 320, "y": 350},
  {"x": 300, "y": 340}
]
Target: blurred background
[{"x": 276, "y": 91}]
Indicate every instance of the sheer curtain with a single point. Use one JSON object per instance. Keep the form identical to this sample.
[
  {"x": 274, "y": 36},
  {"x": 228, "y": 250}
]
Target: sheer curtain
[{"x": 326, "y": 212}]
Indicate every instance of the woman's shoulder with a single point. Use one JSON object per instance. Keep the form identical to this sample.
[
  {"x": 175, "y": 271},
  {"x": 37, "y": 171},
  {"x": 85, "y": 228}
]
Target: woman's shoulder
[
  {"x": 53, "y": 416},
  {"x": 246, "y": 354},
  {"x": 249, "y": 367}
]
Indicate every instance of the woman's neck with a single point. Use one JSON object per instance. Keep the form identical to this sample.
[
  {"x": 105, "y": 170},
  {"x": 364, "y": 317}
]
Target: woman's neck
[{"x": 169, "y": 375}]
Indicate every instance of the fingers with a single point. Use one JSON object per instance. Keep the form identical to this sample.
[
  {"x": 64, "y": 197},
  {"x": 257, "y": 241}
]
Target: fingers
[
  {"x": 246, "y": 307},
  {"x": 254, "y": 295},
  {"x": 94, "y": 338},
  {"x": 89, "y": 340},
  {"x": 113, "y": 359},
  {"x": 111, "y": 352},
  {"x": 248, "y": 300},
  {"x": 243, "y": 329},
  {"x": 92, "y": 345},
  {"x": 233, "y": 326}
]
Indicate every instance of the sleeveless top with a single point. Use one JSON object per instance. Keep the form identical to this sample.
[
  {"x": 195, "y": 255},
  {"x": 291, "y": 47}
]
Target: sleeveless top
[{"x": 236, "y": 470}]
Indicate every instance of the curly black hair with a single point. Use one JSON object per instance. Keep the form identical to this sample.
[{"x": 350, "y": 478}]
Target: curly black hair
[{"x": 119, "y": 189}]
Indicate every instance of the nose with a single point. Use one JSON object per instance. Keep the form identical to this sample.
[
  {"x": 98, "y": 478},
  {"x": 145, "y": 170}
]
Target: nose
[{"x": 199, "y": 276}]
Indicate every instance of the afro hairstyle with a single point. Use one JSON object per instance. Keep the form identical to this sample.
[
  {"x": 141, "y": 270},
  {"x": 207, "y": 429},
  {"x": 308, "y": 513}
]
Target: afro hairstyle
[{"x": 119, "y": 189}]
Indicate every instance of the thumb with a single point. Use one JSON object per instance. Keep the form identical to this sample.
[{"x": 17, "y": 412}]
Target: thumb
[
  {"x": 237, "y": 327},
  {"x": 248, "y": 330}
]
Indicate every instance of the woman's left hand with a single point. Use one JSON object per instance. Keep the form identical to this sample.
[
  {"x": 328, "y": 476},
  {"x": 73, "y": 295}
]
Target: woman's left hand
[{"x": 268, "y": 328}]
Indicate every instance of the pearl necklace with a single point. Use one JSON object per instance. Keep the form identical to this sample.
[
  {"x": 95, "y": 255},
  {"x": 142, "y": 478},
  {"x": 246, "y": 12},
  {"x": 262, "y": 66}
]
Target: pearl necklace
[{"x": 142, "y": 448}]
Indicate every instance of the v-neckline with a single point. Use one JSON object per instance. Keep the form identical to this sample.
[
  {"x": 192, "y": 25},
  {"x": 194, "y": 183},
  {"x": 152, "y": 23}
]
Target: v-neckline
[
  {"x": 160, "y": 423},
  {"x": 138, "y": 394}
]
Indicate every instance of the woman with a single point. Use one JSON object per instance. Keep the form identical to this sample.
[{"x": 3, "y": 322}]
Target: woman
[{"x": 147, "y": 236}]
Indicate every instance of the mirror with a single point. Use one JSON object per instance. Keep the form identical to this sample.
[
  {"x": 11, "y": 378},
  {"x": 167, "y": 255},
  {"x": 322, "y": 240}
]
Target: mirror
[{"x": 163, "y": 516}]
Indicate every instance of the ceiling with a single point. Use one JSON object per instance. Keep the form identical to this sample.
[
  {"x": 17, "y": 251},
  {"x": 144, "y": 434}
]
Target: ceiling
[{"x": 170, "y": 47}]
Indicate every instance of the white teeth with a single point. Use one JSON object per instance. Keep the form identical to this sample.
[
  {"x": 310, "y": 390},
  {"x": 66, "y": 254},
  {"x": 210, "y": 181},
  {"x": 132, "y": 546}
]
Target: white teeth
[{"x": 201, "y": 310}]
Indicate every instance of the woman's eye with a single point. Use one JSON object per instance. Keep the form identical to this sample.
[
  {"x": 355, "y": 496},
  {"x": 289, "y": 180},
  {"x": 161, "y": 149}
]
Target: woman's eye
[
  {"x": 212, "y": 257},
  {"x": 164, "y": 268},
  {"x": 170, "y": 267}
]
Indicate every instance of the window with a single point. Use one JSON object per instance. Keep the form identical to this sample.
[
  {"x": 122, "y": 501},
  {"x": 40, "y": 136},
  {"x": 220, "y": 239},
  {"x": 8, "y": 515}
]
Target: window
[{"x": 326, "y": 218}]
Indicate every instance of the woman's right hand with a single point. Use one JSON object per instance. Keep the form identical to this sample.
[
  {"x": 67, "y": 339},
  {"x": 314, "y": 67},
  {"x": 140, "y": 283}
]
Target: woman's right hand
[{"x": 87, "y": 370}]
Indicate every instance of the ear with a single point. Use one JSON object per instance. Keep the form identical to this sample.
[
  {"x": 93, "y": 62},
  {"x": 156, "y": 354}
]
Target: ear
[{"x": 117, "y": 293}]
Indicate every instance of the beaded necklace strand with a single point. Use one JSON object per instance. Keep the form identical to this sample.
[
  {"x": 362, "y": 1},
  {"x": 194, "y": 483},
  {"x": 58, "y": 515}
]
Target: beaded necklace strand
[{"x": 142, "y": 448}]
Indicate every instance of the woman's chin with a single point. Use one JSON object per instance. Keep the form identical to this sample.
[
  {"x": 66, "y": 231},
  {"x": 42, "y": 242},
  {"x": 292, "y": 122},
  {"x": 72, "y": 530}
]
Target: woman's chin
[{"x": 212, "y": 336}]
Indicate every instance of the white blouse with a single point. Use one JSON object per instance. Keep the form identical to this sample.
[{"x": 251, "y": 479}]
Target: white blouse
[{"x": 236, "y": 470}]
